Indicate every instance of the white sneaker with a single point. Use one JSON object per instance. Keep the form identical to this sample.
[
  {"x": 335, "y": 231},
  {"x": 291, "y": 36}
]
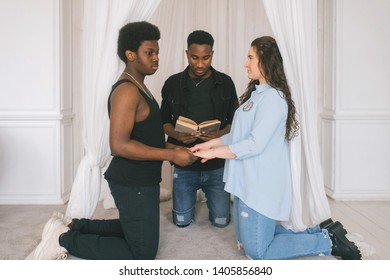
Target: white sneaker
[
  {"x": 58, "y": 215},
  {"x": 49, "y": 248},
  {"x": 65, "y": 219}
]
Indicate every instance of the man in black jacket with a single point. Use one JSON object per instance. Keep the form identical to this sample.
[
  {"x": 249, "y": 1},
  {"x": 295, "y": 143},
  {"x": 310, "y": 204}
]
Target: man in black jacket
[{"x": 199, "y": 93}]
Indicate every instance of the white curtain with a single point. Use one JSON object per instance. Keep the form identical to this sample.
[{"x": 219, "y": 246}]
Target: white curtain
[
  {"x": 248, "y": 21},
  {"x": 232, "y": 23},
  {"x": 294, "y": 23},
  {"x": 101, "y": 67},
  {"x": 176, "y": 20}
]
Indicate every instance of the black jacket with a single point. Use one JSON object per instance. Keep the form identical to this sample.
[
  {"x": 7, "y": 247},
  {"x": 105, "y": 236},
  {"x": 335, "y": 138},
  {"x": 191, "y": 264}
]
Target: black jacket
[{"x": 174, "y": 100}]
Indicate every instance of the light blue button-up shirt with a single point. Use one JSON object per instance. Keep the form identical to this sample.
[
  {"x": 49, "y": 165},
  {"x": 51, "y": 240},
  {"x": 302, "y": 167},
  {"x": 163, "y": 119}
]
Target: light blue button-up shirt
[{"x": 260, "y": 174}]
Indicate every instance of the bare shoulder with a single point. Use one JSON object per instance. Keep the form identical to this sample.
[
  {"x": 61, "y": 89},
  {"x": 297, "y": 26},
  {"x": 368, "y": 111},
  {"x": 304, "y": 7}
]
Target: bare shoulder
[
  {"x": 126, "y": 99},
  {"x": 126, "y": 93}
]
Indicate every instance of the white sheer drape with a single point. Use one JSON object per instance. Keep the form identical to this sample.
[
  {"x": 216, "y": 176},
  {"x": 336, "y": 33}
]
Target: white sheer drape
[
  {"x": 294, "y": 23},
  {"x": 102, "y": 21},
  {"x": 232, "y": 23},
  {"x": 178, "y": 18}
]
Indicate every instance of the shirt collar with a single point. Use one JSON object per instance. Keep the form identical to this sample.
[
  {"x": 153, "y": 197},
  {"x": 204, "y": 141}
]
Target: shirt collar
[{"x": 262, "y": 87}]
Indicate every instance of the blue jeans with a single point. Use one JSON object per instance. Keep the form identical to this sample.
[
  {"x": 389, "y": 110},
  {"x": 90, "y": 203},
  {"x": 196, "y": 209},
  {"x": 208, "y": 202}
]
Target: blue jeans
[
  {"x": 185, "y": 185},
  {"x": 263, "y": 239}
]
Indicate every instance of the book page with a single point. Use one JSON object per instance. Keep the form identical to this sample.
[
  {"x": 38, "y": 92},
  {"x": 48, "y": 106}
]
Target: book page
[
  {"x": 185, "y": 126},
  {"x": 184, "y": 119},
  {"x": 209, "y": 125}
]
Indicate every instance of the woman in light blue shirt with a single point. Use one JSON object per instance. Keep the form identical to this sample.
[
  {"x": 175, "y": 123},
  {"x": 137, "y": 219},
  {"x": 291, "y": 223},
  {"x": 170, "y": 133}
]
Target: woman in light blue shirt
[{"x": 257, "y": 171}]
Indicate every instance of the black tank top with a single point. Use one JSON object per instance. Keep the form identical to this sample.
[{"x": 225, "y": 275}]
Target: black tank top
[{"x": 149, "y": 132}]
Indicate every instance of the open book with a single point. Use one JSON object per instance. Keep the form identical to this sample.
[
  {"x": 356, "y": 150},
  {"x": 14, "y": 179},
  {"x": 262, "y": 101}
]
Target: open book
[{"x": 189, "y": 126}]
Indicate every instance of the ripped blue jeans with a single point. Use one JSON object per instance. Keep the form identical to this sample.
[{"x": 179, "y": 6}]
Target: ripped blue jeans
[
  {"x": 263, "y": 239},
  {"x": 185, "y": 186}
]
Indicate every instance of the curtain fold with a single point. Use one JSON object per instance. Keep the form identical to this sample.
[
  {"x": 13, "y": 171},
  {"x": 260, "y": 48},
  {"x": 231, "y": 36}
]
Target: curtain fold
[
  {"x": 101, "y": 67},
  {"x": 294, "y": 24},
  {"x": 176, "y": 20}
]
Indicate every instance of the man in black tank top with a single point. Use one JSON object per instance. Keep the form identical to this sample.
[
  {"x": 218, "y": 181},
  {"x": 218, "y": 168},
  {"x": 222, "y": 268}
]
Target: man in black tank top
[
  {"x": 199, "y": 93},
  {"x": 138, "y": 147}
]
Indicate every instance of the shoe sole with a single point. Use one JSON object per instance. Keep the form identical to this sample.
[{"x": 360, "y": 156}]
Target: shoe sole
[
  {"x": 356, "y": 251},
  {"x": 41, "y": 247},
  {"x": 338, "y": 230},
  {"x": 44, "y": 243}
]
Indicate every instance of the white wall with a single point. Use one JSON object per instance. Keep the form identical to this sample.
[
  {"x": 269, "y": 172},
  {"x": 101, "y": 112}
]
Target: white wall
[
  {"x": 77, "y": 10},
  {"x": 356, "y": 99},
  {"x": 36, "y": 129}
]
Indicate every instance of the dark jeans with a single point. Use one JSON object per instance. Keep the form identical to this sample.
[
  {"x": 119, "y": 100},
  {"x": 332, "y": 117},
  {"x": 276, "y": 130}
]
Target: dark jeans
[{"x": 134, "y": 236}]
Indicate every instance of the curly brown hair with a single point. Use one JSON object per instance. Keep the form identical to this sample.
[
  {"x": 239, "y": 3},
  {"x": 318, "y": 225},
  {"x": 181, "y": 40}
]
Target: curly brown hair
[{"x": 271, "y": 65}]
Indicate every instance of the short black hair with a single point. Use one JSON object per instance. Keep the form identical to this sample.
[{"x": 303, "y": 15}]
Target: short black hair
[
  {"x": 200, "y": 37},
  {"x": 133, "y": 34}
]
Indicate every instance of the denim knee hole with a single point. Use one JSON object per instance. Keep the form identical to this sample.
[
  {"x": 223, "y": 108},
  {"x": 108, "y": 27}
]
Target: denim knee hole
[
  {"x": 244, "y": 214},
  {"x": 220, "y": 221},
  {"x": 180, "y": 218}
]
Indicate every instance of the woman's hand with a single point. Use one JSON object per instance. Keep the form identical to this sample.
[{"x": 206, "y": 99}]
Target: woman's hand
[
  {"x": 205, "y": 155},
  {"x": 208, "y": 151},
  {"x": 203, "y": 151}
]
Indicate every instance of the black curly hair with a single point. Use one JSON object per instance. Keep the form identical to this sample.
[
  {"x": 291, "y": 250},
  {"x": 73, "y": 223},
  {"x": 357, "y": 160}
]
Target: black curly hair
[
  {"x": 200, "y": 37},
  {"x": 271, "y": 63},
  {"x": 133, "y": 34}
]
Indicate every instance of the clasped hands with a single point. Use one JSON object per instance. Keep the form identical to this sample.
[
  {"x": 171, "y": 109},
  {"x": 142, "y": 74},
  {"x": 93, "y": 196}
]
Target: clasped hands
[
  {"x": 203, "y": 151},
  {"x": 187, "y": 156}
]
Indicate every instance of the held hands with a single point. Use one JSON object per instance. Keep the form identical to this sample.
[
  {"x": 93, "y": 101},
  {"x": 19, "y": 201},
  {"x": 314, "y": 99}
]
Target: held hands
[
  {"x": 184, "y": 157},
  {"x": 213, "y": 149},
  {"x": 203, "y": 151},
  {"x": 187, "y": 156}
]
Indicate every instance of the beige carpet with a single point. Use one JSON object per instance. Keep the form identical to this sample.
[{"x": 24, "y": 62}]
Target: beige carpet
[
  {"x": 199, "y": 241},
  {"x": 21, "y": 229}
]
